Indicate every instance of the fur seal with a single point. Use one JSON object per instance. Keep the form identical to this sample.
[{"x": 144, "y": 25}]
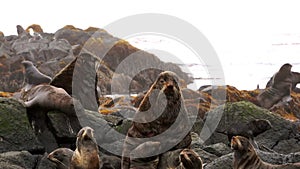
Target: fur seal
[
  {"x": 156, "y": 113},
  {"x": 180, "y": 159},
  {"x": 33, "y": 76},
  {"x": 279, "y": 89},
  {"x": 61, "y": 157},
  {"x": 86, "y": 155},
  {"x": 295, "y": 81},
  {"x": 249, "y": 130},
  {"x": 49, "y": 97},
  {"x": 245, "y": 156},
  {"x": 35, "y": 27}
]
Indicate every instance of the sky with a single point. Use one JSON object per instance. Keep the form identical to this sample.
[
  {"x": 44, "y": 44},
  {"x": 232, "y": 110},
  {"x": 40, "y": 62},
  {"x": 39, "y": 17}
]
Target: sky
[{"x": 251, "y": 38}]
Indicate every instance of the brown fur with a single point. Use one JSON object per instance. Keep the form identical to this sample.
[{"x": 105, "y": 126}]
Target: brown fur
[
  {"x": 48, "y": 97},
  {"x": 61, "y": 157},
  {"x": 148, "y": 122},
  {"x": 279, "y": 88},
  {"x": 245, "y": 157},
  {"x": 180, "y": 159},
  {"x": 35, "y": 27},
  {"x": 86, "y": 154}
]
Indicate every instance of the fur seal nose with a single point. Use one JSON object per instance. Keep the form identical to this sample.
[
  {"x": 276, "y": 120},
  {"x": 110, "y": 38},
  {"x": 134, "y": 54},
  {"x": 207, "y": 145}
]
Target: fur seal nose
[{"x": 170, "y": 85}]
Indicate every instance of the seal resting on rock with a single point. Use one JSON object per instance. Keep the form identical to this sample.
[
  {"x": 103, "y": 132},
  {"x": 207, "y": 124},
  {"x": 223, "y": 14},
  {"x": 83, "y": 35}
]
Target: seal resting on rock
[
  {"x": 86, "y": 154},
  {"x": 61, "y": 157},
  {"x": 159, "y": 109},
  {"x": 245, "y": 157},
  {"x": 49, "y": 97},
  {"x": 249, "y": 130},
  {"x": 33, "y": 76},
  {"x": 279, "y": 90}
]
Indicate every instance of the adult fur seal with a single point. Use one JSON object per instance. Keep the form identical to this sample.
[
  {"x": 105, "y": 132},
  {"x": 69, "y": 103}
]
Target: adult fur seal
[
  {"x": 245, "y": 157},
  {"x": 295, "y": 81},
  {"x": 249, "y": 130},
  {"x": 49, "y": 97},
  {"x": 158, "y": 110},
  {"x": 86, "y": 154},
  {"x": 33, "y": 76},
  {"x": 279, "y": 89},
  {"x": 61, "y": 157}
]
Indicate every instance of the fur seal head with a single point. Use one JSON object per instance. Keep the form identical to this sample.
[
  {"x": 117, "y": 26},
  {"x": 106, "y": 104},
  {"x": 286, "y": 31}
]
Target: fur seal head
[
  {"x": 61, "y": 157},
  {"x": 190, "y": 159}
]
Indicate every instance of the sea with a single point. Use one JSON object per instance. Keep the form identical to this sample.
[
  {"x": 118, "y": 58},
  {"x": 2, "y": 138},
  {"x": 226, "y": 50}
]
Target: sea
[{"x": 245, "y": 69}]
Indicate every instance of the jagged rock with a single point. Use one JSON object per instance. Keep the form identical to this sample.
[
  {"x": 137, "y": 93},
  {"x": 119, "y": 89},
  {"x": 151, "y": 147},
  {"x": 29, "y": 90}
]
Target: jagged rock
[
  {"x": 18, "y": 160},
  {"x": 224, "y": 162},
  {"x": 15, "y": 131},
  {"x": 276, "y": 138}
]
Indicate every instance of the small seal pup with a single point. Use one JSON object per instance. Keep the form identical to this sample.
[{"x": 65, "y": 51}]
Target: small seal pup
[
  {"x": 159, "y": 109},
  {"x": 249, "y": 130},
  {"x": 245, "y": 156},
  {"x": 33, "y": 76},
  {"x": 86, "y": 155},
  {"x": 61, "y": 157},
  {"x": 280, "y": 88}
]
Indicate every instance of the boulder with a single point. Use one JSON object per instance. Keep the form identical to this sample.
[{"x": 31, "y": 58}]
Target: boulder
[{"x": 16, "y": 133}]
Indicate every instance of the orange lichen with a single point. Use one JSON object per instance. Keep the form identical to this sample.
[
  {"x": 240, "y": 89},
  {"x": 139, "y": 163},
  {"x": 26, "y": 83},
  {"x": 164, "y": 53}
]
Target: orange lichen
[{"x": 5, "y": 94}]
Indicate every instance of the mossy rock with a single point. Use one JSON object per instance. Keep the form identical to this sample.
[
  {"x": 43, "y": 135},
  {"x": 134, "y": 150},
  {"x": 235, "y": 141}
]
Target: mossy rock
[
  {"x": 15, "y": 131},
  {"x": 243, "y": 111}
]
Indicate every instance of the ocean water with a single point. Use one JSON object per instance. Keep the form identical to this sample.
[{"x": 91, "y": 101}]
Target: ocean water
[{"x": 244, "y": 69}]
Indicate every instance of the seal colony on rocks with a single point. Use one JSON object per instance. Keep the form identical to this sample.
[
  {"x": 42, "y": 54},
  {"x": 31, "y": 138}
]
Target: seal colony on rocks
[
  {"x": 279, "y": 90},
  {"x": 158, "y": 110},
  {"x": 86, "y": 155},
  {"x": 245, "y": 157}
]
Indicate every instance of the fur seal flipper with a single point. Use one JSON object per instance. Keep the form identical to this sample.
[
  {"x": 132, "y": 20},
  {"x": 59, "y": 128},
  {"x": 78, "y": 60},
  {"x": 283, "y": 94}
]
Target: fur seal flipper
[
  {"x": 279, "y": 87},
  {"x": 245, "y": 156}
]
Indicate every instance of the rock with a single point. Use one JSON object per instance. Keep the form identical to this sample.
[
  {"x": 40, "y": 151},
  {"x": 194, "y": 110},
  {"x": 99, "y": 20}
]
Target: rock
[
  {"x": 218, "y": 149},
  {"x": 18, "y": 160},
  {"x": 275, "y": 138},
  {"x": 16, "y": 133},
  {"x": 224, "y": 162}
]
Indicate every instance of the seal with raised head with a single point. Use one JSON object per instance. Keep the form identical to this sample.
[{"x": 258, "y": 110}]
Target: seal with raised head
[
  {"x": 86, "y": 155},
  {"x": 280, "y": 88},
  {"x": 33, "y": 76},
  {"x": 245, "y": 156},
  {"x": 249, "y": 130},
  {"x": 61, "y": 157},
  {"x": 159, "y": 109}
]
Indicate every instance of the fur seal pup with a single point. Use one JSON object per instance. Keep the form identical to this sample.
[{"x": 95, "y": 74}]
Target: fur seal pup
[
  {"x": 158, "y": 110},
  {"x": 33, "y": 76},
  {"x": 245, "y": 156},
  {"x": 249, "y": 130},
  {"x": 180, "y": 159},
  {"x": 86, "y": 155},
  {"x": 61, "y": 157},
  {"x": 279, "y": 89}
]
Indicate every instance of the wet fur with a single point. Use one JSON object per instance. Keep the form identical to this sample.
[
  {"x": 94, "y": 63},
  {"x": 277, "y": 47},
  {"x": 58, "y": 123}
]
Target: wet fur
[
  {"x": 279, "y": 88},
  {"x": 86, "y": 155},
  {"x": 61, "y": 157},
  {"x": 151, "y": 123},
  {"x": 245, "y": 157}
]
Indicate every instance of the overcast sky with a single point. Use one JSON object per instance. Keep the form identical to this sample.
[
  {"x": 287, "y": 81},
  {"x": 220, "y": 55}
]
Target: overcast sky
[{"x": 236, "y": 29}]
